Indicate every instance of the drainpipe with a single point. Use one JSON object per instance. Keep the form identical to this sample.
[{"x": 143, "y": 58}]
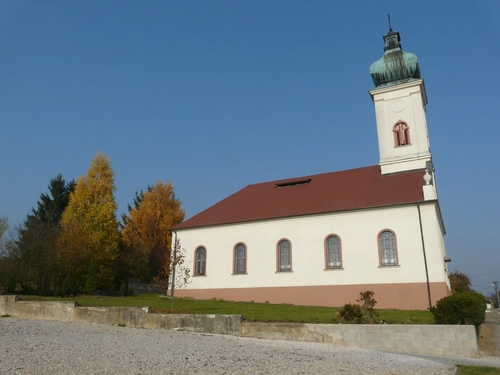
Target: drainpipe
[{"x": 425, "y": 256}]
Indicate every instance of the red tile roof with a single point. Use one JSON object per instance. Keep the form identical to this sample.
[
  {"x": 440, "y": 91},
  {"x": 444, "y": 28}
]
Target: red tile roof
[{"x": 326, "y": 192}]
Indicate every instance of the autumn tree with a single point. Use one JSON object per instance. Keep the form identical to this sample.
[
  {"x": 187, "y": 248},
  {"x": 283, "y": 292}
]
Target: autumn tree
[
  {"x": 459, "y": 282},
  {"x": 147, "y": 226},
  {"x": 137, "y": 201},
  {"x": 90, "y": 233}
]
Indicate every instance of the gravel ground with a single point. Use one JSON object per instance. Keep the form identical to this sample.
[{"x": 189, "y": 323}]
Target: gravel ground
[{"x": 51, "y": 347}]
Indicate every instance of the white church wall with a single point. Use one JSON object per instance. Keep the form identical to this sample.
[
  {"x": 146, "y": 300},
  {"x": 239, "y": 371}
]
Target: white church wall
[{"x": 358, "y": 231}]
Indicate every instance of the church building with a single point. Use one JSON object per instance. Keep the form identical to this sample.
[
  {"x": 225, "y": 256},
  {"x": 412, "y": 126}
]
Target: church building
[{"x": 322, "y": 239}]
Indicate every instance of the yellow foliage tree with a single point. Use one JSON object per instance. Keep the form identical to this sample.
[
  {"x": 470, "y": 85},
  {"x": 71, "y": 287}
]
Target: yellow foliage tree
[
  {"x": 146, "y": 229},
  {"x": 90, "y": 236}
]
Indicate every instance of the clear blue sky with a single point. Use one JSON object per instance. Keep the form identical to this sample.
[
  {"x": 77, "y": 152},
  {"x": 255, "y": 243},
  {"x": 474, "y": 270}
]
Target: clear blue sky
[{"x": 216, "y": 95}]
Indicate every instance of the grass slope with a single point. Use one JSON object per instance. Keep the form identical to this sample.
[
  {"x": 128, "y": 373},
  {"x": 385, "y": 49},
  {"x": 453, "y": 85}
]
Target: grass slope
[
  {"x": 477, "y": 370},
  {"x": 258, "y": 312}
]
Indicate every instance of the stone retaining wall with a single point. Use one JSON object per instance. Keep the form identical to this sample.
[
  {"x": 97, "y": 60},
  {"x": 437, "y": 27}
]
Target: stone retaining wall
[
  {"x": 134, "y": 317},
  {"x": 446, "y": 340},
  {"x": 220, "y": 324},
  {"x": 44, "y": 310},
  {"x": 7, "y": 304}
]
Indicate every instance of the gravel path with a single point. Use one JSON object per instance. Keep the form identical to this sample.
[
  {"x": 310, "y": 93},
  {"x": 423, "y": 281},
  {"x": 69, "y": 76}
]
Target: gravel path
[{"x": 52, "y": 347}]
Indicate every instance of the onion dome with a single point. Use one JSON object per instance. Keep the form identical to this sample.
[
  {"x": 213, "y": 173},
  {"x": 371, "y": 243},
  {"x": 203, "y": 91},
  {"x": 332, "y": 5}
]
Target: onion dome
[{"x": 395, "y": 66}]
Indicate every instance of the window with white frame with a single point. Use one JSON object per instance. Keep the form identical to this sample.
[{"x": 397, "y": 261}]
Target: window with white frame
[
  {"x": 333, "y": 255},
  {"x": 387, "y": 248},
  {"x": 240, "y": 258},
  {"x": 201, "y": 261},
  {"x": 284, "y": 256}
]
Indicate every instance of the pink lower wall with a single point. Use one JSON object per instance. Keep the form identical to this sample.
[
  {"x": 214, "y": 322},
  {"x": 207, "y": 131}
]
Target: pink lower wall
[{"x": 411, "y": 296}]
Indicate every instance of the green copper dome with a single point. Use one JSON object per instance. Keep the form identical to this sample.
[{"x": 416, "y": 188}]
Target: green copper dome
[{"x": 395, "y": 66}]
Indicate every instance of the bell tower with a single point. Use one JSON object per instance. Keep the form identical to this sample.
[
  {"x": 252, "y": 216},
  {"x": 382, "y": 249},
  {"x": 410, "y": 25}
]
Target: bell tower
[{"x": 399, "y": 97}]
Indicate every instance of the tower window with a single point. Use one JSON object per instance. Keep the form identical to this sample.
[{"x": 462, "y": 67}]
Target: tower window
[{"x": 401, "y": 134}]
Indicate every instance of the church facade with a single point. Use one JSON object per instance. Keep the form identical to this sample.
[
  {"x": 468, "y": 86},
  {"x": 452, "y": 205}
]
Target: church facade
[{"x": 322, "y": 239}]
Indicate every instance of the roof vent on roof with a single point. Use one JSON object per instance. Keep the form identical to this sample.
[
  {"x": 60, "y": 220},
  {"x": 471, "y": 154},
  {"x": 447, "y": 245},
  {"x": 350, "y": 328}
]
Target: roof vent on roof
[{"x": 293, "y": 183}]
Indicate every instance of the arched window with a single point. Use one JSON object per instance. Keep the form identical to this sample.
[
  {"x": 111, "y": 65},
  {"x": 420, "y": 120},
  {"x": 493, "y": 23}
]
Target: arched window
[
  {"x": 401, "y": 134},
  {"x": 201, "y": 261},
  {"x": 240, "y": 258},
  {"x": 332, "y": 252},
  {"x": 284, "y": 256},
  {"x": 387, "y": 249}
]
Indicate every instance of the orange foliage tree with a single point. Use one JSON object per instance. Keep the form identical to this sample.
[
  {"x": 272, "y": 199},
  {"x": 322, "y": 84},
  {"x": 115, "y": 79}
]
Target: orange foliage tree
[
  {"x": 90, "y": 237},
  {"x": 146, "y": 231}
]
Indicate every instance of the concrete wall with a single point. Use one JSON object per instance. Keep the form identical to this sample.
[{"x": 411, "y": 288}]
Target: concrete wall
[
  {"x": 7, "y": 304},
  {"x": 220, "y": 324},
  {"x": 454, "y": 341},
  {"x": 129, "y": 316},
  {"x": 135, "y": 317},
  {"x": 44, "y": 310},
  {"x": 445, "y": 340}
]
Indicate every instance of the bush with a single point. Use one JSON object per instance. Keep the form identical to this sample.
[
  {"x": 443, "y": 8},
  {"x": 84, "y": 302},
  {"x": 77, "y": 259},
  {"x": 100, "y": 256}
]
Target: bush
[
  {"x": 363, "y": 313},
  {"x": 11, "y": 284},
  {"x": 91, "y": 279},
  {"x": 65, "y": 289},
  {"x": 460, "y": 308},
  {"x": 123, "y": 290}
]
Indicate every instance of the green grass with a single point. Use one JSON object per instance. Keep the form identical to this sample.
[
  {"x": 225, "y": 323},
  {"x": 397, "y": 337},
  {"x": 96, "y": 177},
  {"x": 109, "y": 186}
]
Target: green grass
[
  {"x": 477, "y": 370},
  {"x": 258, "y": 312}
]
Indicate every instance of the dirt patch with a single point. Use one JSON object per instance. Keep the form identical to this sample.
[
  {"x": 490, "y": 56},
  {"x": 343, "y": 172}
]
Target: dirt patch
[{"x": 488, "y": 340}]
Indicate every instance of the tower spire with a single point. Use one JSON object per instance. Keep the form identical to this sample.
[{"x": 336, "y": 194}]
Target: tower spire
[{"x": 400, "y": 99}]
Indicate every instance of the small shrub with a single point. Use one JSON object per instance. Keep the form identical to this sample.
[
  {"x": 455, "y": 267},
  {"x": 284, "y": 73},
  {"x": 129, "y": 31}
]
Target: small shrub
[
  {"x": 121, "y": 325},
  {"x": 5, "y": 316},
  {"x": 351, "y": 313},
  {"x": 361, "y": 313},
  {"x": 57, "y": 292},
  {"x": 461, "y": 308}
]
